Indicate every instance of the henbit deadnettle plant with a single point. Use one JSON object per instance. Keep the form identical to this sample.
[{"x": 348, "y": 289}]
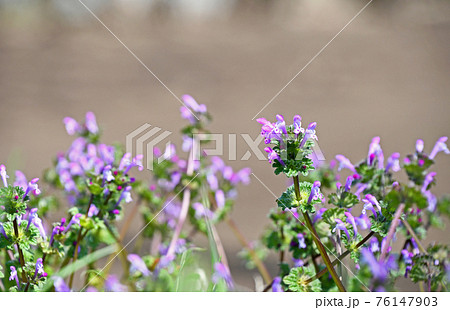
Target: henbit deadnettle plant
[
  {"x": 319, "y": 245},
  {"x": 185, "y": 198},
  {"x": 313, "y": 232}
]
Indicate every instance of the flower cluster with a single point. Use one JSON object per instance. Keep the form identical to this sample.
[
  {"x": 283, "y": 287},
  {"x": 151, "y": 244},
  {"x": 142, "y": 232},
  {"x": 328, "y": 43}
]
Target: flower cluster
[{"x": 361, "y": 216}]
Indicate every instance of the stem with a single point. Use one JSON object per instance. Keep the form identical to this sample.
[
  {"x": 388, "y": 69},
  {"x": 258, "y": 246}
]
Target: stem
[
  {"x": 319, "y": 244},
  {"x": 259, "y": 264},
  {"x": 268, "y": 287},
  {"x": 220, "y": 249},
  {"x": 341, "y": 257},
  {"x": 75, "y": 254},
  {"x": 391, "y": 231},
  {"x": 413, "y": 234},
  {"x": 21, "y": 257},
  {"x": 184, "y": 205}
]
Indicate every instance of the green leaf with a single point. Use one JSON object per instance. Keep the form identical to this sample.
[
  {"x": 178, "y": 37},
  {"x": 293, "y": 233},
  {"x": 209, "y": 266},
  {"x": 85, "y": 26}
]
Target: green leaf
[
  {"x": 379, "y": 225},
  {"x": 330, "y": 215},
  {"x": 296, "y": 280},
  {"x": 289, "y": 199}
]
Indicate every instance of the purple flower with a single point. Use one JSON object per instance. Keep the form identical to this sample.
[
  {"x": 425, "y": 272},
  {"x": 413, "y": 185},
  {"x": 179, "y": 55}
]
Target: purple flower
[
  {"x": 74, "y": 221},
  {"x": 187, "y": 143},
  {"x": 440, "y": 146},
  {"x": 126, "y": 196},
  {"x": 39, "y": 270},
  {"x": 32, "y": 186},
  {"x": 217, "y": 164},
  {"x": 266, "y": 129},
  {"x": 112, "y": 284},
  {"x": 319, "y": 214},
  {"x": 298, "y": 262},
  {"x": 407, "y": 259},
  {"x": 201, "y": 211},
  {"x": 220, "y": 199},
  {"x": 273, "y": 155},
  {"x": 93, "y": 210},
  {"x": 375, "y": 151},
  {"x": 137, "y": 264},
  {"x": 432, "y": 201},
  {"x": 55, "y": 231},
  {"x": 341, "y": 226},
  {"x": 360, "y": 187},
  {"x": 2, "y": 231},
  {"x": 298, "y": 125},
  {"x": 348, "y": 183},
  {"x": 374, "y": 245},
  {"x": 13, "y": 276},
  {"x": 276, "y": 285},
  {"x": 415, "y": 246},
  {"x": 393, "y": 162},
  {"x": 72, "y": 126},
  {"x": 191, "y": 104},
  {"x": 20, "y": 180},
  {"x": 107, "y": 174},
  {"x": 91, "y": 123},
  {"x": 242, "y": 176},
  {"x": 301, "y": 241},
  {"x": 379, "y": 269},
  {"x": 38, "y": 223},
  {"x": 344, "y": 162},
  {"x": 106, "y": 153},
  {"x": 222, "y": 272},
  {"x": 369, "y": 203},
  {"x": 351, "y": 220},
  {"x": 3, "y": 175},
  {"x": 419, "y": 146},
  {"x": 60, "y": 285},
  {"x": 310, "y": 133},
  {"x": 363, "y": 221},
  {"x": 164, "y": 262},
  {"x": 315, "y": 192},
  {"x": 136, "y": 162},
  {"x": 429, "y": 178}
]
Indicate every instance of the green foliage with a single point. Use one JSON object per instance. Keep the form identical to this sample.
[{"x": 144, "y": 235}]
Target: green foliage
[
  {"x": 343, "y": 199},
  {"x": 416, "y": 173},
  {"x": 296, "y": 280},
  {"x": 330, "y": 216},
  {"x": 289, "y": 199},
  {"x": 430, "y": 267}
]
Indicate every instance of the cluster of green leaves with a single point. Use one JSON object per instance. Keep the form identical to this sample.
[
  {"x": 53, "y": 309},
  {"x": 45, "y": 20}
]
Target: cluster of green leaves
[
  {"x": 297, "y": 280},
  {"x": 288, "y": 199},
  {"x": 295, "y": 159}
]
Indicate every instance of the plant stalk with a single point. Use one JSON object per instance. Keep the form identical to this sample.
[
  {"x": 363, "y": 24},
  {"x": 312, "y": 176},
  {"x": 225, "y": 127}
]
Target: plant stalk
[
  {"x": 21, "y": 257},
  {"x": 413, "y": 234},
  {"x": 319, "y": 244},
  {"x": 341, "y": 257},
  {"x": 391, "y": 231}
]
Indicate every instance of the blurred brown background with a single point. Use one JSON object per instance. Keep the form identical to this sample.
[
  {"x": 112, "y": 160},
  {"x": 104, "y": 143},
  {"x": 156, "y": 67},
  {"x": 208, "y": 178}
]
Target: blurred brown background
[{"x": 386, "y": 74}]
